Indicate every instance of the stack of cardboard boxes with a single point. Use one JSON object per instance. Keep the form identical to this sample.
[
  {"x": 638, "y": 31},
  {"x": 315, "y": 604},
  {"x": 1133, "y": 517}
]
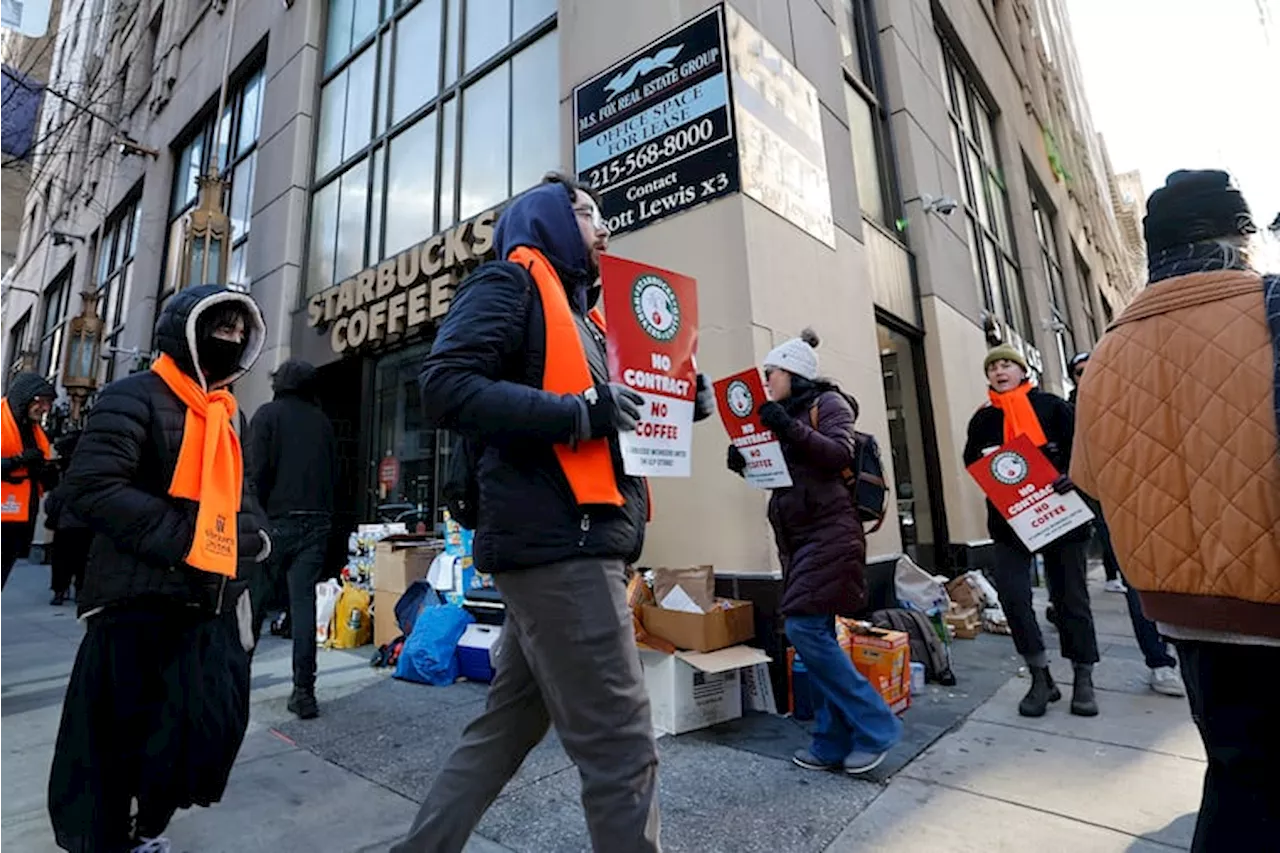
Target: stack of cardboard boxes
[
  {"x": 882, "y": 656},
  {"x": 398, "y": 562}
]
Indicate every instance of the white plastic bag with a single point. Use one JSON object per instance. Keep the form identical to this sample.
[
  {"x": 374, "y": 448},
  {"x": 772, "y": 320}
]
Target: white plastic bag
[
  {"x": 327, "y": 594},
  {"x": 917, "y": 589}
]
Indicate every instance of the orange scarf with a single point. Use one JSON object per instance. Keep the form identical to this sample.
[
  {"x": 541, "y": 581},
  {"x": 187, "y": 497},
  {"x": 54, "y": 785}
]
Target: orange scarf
[
  {"x": 15, "y": 498},
  {"x": 1019, "y": 417},
  {"x": 210, "y": 469},
  {"x": 589, "y": 466}
]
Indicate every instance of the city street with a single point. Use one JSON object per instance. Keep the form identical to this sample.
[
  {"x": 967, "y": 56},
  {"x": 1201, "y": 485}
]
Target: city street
[{"x": 987, "y": 780}]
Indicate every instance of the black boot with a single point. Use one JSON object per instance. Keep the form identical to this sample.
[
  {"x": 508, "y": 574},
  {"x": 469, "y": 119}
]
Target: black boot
[
  {"x": 1083, "y": 702},
  {"x": 303, "y": 703},
  {"x": 1042, "y": 692}
]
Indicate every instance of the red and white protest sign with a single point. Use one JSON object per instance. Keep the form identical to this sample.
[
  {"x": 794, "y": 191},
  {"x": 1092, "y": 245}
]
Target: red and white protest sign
[
  {"x": 739, "y": 398},
  {"x": 1018, "y": 479},
  {"x": 652, "y": 317}
]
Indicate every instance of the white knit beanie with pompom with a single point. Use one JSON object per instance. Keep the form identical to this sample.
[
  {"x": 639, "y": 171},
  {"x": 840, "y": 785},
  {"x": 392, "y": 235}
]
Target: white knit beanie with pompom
[{"x": 796, "y": 356}]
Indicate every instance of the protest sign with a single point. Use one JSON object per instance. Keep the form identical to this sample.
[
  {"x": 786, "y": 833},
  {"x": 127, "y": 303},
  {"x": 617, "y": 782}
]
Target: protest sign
[
  {"x": 738, "y": 398},
  {"x": 652, "y": 319},
  {"x": 1018, "y": 480}
]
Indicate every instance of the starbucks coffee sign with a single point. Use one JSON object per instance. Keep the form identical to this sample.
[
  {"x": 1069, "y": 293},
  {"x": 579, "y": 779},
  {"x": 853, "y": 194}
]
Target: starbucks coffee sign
[{"x": 400, "y": 295}]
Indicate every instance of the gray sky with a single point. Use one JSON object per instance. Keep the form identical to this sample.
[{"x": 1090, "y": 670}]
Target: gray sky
[{"x": 1186, "y": 84}]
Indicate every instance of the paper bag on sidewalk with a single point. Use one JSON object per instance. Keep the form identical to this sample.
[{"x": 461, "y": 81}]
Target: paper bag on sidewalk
[{"x": 685, "y": 589}]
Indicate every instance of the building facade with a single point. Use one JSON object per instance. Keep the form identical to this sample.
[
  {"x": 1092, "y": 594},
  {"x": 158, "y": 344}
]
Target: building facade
[{"x": 915, "y": 180}]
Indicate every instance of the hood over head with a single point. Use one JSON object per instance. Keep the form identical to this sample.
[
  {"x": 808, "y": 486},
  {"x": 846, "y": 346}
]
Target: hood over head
[
  {"x": 295, "y": 378},
  {"x": 543, "y": 219},
  {"x": 24, "y": 388},
  {"x": 176, "y": 334}
]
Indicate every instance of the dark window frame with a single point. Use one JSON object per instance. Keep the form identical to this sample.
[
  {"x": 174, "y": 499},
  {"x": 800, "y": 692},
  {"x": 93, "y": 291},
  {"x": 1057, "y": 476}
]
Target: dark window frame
[
  {"x": 114, "y": 281},
  {"x": 867, "y": 82},
  {"x": 54, "y": 318},
  {"x": 1045, "y": 220}
]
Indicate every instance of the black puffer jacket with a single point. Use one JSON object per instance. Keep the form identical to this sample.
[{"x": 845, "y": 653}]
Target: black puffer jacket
[
  {"x": 119, "y": 478},
  {"x": 986, "y": 431},
  {"x": 483, "y": 380},
  {"x": 292, "y": 447},
  {"x": 820, "y": 540}
]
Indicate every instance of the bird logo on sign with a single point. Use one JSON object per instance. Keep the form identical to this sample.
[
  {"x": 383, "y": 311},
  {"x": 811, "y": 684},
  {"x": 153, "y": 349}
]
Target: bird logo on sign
[{"x": 642, "y": 67}]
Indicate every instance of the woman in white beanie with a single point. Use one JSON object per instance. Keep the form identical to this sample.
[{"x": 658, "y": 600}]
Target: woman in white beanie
[{"x": 822, "y": 548}]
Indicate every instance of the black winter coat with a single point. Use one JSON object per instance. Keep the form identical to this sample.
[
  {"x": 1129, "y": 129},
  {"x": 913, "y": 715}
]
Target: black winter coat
[
  {"x": 119, "y": 479},
  {"x": 986, "y": 432},
  {"x": 483, "y": 379},
  {"x": 292, "y": 447},
  {"x": 820, "y": 540}
]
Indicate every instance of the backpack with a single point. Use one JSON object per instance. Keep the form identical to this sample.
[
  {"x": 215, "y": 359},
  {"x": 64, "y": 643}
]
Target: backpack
[
  {"x": 865, "y": 479},
  {"x": 926, "y": 646}
]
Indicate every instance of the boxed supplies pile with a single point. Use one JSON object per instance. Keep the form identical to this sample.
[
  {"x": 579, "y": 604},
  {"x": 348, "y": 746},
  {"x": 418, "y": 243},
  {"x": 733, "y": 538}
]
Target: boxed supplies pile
[
  {"x": 974, "y": 606},
  {"x": 884, "y": 657},
  {"x": 693, "y": 668},
  {"x": 398, "y": 561}
]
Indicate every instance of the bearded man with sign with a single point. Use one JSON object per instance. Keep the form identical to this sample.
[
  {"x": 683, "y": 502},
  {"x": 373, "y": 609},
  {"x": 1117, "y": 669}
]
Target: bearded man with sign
[
  {"x": 158, "y": 700},
  {"x": 1016, "y": 407}
]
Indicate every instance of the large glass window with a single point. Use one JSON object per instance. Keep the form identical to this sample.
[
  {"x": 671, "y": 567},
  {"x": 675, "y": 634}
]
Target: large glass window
[
  {"x": 233, "y": 141},
  {"x": 426, "y": 140},
  {"x": 1086, "y": 294},
  {"x": 113, "y": 275},
  {"x": 18, "y": 343},
  {"x": 868, "y": 118},
  {"x": 986, "y": 199},
  {"x": 1063, "y": 332},
  {"x": 55, "y": 310}
]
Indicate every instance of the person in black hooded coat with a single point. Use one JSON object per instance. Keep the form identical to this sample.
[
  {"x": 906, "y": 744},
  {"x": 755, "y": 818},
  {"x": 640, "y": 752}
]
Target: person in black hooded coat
[
  {"x": 28, "y": 393},
  {"x": 158, "y": 700},
  {"x": 72, "y": 538}
]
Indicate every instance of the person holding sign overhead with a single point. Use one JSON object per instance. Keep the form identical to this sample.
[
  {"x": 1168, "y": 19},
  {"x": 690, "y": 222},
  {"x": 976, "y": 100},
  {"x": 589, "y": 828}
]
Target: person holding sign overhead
[
  {"x": 519, "y": 368},
  {"x": 1016, "y": 408},
  {"x": 822, "y": 548}
]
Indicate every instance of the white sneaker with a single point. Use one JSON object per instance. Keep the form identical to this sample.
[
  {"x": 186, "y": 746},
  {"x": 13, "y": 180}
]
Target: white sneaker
[
  {"x": 159, "y": 844},
  {"x": 1166, "y": 681},
  {"x": 1116, "y": 585}
]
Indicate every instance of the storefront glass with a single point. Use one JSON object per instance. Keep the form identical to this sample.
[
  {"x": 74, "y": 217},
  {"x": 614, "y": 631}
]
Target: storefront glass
[
  {"x": 400, "y": 433},
  {"x": 908, "y": 445}
]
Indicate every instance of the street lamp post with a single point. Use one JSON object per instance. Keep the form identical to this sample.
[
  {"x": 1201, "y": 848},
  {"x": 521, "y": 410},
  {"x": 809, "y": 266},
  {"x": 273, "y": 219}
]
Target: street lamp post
[{"x": 80, "y": 370}]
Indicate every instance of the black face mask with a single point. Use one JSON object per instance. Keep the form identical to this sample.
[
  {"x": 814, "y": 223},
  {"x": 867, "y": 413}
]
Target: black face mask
[{"x": 219, "y": 359}]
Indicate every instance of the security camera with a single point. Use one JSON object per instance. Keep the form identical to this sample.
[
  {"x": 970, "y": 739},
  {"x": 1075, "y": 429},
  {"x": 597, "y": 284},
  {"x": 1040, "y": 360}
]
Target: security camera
[{"x": 944, "y": 205}]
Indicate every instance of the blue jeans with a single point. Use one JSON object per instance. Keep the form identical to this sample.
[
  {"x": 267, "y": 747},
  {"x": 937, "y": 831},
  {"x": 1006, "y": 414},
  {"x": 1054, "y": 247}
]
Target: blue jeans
[
  {"x": 849, "y": 714},
  {"x": 1154, "y": 648}
]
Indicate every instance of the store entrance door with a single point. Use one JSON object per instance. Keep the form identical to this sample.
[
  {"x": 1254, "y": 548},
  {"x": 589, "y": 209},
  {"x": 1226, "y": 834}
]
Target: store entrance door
[
  {"x": 917, "y": 487},
  {"x": 340, "y": 390}
]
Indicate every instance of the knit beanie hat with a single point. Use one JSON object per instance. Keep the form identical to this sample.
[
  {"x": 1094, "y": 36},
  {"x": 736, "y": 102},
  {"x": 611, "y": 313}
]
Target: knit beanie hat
[
  {"x": 1195, "y": 205},
  {"x": 1005, "y": 352},
  {"x": 796, "y": 356}
]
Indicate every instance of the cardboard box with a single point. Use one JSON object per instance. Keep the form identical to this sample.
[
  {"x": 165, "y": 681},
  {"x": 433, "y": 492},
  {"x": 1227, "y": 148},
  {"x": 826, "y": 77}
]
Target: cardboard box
[
  {"x": 702, "y": 632},
  {"x": 884, "y": 657},
  {"x": 693, "y": 690},
  {"x": 400, "y": 560},
  {"x": 385, "y": 627},
  {"x": 964, "y": 622}
]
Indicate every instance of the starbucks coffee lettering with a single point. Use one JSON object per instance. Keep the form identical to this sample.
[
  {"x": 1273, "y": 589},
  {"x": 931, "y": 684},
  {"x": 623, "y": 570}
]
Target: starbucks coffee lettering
[{"x": 404, "y": 292}]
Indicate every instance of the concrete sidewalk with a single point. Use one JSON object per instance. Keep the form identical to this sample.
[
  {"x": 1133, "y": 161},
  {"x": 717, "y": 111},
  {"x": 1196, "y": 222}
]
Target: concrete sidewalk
[{"x": 1126, "y": 780}]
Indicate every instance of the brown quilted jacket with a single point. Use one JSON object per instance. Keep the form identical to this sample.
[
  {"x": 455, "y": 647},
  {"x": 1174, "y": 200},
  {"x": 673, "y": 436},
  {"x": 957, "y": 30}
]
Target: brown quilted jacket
[{"x": 1176, "y": 437}]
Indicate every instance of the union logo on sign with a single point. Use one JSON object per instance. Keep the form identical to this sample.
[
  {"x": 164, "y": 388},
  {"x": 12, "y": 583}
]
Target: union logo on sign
[
  {"x": 656, "y": 307},
  {"x": 1009, "y": 468},
  {"x": 738, "y": 396}
]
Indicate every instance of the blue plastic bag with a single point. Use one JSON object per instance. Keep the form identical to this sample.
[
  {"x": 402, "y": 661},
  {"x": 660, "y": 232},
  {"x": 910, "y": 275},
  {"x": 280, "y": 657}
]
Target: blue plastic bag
[
  {"x": 415, "y": 599},
  {"x": 430, "y": 655}
]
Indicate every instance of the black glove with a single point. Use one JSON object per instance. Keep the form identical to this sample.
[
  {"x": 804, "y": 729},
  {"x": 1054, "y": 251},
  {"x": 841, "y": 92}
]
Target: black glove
[
  {"x": 32, "y": 459},
  {"x": 610, "y": 408},
  {"x": 704, "y": 404},
  {"x": 736, "y": 462},
  {"x": 1063, "y": 485},
  {"x": 775, "y": 418}
]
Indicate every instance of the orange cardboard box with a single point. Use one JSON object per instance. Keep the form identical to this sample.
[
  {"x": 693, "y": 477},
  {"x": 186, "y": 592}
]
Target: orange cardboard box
[{"x": 883, "y": 657}]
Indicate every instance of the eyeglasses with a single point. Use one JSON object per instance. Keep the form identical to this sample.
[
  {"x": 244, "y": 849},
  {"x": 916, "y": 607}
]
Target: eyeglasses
[{"x": 591, "y": 214}]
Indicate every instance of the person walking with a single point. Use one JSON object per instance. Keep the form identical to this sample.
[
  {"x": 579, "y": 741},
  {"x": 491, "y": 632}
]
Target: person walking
[
  {"x": 1163, "y": 666},
  {"x": 1016, "y": 407},
  {"x": 519, "y": 366},
  {"x": 293, "y": 460},
  {"x": 158, "y": 700},
  {"x": 28, "y": 470},
  {"x": 71, "y": 536},
  {"x": 1179, "y": 438},
  {"x": 822, "y": 548}
]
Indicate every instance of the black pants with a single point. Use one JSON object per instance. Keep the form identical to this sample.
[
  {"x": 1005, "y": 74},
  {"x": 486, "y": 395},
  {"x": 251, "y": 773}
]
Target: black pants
[
  {"x": 1240, "y": 807},
  {"x": 15, "y": 543},
  {"x": 1065, "y": 564},
  {"x": 1110, "y": 564},
  {"x": 70, "y": 554},
  {"x": 298, "y": 547}
]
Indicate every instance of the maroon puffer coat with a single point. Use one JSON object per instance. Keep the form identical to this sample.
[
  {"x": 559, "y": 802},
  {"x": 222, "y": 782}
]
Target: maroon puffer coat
[{"x": 820, "y": 539}]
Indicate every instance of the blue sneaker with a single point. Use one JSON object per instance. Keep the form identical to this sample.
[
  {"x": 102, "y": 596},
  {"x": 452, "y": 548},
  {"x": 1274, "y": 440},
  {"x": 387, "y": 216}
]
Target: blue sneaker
[
  {"x": 857, "y": 763},
  {"x": 806, "y": 759}
]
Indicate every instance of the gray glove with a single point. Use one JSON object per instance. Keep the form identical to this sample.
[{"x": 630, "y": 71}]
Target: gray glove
[{"x": 608, "y": 409}]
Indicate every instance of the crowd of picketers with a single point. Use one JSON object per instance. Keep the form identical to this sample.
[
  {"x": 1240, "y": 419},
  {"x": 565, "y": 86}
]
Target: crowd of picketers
[{"x": 183, "y": 525}]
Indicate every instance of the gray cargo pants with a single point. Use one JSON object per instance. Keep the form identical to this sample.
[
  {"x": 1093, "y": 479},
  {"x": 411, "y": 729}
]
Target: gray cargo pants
[{"x": 567, "y": 655}]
